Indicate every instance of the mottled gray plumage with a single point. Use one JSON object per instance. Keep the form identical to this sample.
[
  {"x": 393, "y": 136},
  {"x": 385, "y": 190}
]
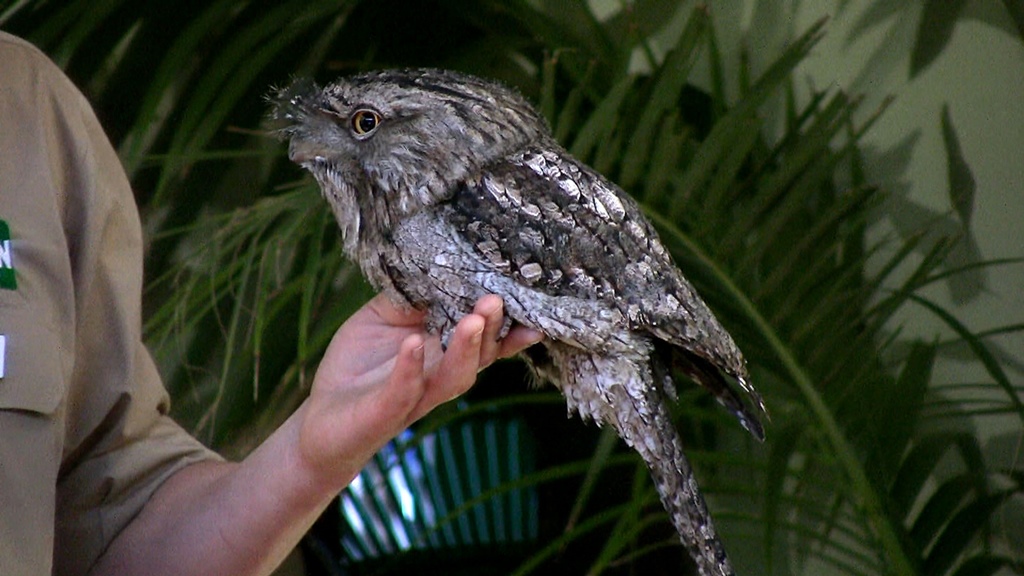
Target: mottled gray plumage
[{"x": 449, "y": 187}]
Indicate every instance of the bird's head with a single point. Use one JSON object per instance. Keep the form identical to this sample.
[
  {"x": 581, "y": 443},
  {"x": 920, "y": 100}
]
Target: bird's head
[{"x": 411, "y": 135}]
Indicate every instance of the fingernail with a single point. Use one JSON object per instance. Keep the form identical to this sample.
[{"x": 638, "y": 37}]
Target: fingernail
[
  {"x": 534, "y": 336},
  {"x": 417, "y": 352}
]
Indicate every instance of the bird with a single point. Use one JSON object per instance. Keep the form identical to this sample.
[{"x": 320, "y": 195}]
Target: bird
[{"x": 447, "y": 187}]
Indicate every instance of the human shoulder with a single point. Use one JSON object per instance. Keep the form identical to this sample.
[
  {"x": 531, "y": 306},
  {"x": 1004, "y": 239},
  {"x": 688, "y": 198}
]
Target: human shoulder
[
  {"x": 18, "y": 52},
  {"x": 30, "y": 75}
]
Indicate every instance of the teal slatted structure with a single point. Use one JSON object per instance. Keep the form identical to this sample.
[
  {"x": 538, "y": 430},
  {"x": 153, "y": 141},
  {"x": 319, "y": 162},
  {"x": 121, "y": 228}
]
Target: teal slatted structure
[{"x": 454, "y": 490}]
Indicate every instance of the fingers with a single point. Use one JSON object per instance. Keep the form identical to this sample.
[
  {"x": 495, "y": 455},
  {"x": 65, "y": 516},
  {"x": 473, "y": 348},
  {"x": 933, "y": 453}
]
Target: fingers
[
  {"x": 474, "y": 345},
  {"x": 491, "y": 309},
  {"x": 518, "y": 339},
  {"x": 456, "y": 372},
  {"x": 407, "y": 384}
]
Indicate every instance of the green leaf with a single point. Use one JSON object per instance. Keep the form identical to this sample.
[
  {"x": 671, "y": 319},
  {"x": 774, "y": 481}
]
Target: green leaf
[
  {"x": 602, "y": 454},
  {"x": 569, "y": 114},
  {"x": 986, "y": 565},
  {"x": 546, "y": 106},
  {"x": 530, "y": 566},
  {"x": 630, "y": 524},
  {"x": 663, "y": 99},
  {"x": 940, "y": 509},
  {"x": 961, "y": 533},
  {"x": 991, "y": 364},
  {"x": 602, "y": 122},
  {"x": 934, "y": 31},
  {"x": 916, "y": 469},
  {"x": 961, "y": 180},
  {"x": 726, "y": 131},
  {"x": 899, "y": 412},
  {"x": 167, "y": 82},
  {"x": 1016, "y": 10},
  {"x": 784, "y": 447}
]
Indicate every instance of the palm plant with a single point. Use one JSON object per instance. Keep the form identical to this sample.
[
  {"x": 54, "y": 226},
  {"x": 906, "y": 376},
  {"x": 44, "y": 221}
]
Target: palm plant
[{"x": 869, "y": 468}]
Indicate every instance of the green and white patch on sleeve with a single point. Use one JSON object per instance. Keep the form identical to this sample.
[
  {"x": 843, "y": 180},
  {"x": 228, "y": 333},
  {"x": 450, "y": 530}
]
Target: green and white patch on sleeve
[{"x": 7, "y": 279}]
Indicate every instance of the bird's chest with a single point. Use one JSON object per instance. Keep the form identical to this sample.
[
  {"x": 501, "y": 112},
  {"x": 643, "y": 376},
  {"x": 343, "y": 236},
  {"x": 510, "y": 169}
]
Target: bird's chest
[{"x": 422, "y": 261}]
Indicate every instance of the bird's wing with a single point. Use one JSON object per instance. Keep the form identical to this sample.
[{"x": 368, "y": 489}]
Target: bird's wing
[
  {"x": 560, "y": 226},
  {"x": 554, "y": 224}
]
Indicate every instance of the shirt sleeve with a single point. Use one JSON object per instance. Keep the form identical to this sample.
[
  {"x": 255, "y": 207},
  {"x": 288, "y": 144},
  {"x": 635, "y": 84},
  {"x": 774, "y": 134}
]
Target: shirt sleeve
[{"x": 78, "y": 265}]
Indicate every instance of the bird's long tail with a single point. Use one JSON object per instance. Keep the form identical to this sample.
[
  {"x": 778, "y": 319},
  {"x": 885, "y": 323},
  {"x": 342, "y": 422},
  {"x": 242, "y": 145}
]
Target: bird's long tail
[
  {"x": 650, "y": 431},
  {"x": 620, "y": 390}
]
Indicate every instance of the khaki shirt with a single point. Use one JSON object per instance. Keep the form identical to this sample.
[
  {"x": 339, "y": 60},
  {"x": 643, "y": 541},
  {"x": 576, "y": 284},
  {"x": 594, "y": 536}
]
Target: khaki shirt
[{"x": 85, "y": 438}]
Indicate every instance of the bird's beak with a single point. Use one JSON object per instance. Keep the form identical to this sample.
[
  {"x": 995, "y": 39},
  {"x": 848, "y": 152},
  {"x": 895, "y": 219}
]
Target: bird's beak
[{"x": 302, "y": 151}]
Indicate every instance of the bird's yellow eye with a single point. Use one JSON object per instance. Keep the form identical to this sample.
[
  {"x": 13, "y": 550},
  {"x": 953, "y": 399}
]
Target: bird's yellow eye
[{"x": 365, "y": 121}]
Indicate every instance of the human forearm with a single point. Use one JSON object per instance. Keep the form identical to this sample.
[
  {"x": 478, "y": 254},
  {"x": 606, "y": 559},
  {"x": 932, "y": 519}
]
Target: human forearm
[
  {"x": 226, "y": 518},
  {"x": 379, "y": 374}
]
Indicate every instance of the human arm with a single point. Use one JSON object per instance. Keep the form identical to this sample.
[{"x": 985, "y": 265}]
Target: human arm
[{"x": 380, "y": 373}]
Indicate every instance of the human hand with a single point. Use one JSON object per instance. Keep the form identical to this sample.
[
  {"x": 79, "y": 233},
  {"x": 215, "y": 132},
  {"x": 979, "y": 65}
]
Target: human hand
[{"x": 381, "y": 372}]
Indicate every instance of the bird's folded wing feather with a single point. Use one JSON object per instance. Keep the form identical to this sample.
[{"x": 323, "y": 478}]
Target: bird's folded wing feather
[{"x": 555, "y": 225}]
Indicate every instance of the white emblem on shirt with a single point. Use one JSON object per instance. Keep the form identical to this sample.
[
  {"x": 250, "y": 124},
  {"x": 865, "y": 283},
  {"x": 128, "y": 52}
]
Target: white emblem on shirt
[{"x": 5, "y": 254}]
